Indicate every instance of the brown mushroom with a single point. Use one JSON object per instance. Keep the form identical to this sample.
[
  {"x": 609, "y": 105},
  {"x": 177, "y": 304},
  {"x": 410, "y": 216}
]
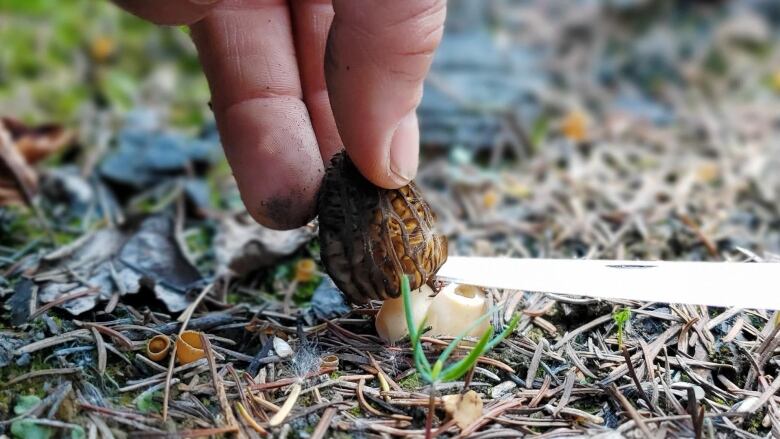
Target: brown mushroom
[{"x": 370, "y": 236}]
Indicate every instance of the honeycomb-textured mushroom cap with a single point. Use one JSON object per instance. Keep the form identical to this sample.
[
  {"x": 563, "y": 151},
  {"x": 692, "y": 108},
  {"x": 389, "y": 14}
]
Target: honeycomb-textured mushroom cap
[{"x": 370, "y": 236}]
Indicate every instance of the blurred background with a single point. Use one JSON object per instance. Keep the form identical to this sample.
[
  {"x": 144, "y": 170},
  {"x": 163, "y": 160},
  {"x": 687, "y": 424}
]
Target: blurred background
[
  {"x": 590, "y": 128},
  {"x": 550, "y": 128}
]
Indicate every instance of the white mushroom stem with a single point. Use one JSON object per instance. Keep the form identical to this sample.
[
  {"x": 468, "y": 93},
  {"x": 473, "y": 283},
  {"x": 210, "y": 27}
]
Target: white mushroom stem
[
  {"x": 453, "y": 311},
  {"x": 391, "y": 321}
]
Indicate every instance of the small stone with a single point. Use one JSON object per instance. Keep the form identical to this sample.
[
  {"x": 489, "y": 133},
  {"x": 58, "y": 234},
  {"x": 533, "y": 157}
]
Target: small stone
[
  {"x": 697, "y": 391},
  {"x": 24, "y": 360},
  {"x": 282, "y": 348},
  {"x": 502, "y": 389},
  {"x": 747, "y": 405}
]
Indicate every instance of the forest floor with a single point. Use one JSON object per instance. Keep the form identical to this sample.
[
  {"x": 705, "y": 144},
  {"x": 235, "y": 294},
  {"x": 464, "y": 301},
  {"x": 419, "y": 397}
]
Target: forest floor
[{"x": 632, "y": 131}]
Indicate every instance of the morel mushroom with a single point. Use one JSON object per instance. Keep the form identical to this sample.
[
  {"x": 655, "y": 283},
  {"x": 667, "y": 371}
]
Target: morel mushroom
[{"x": 370, "y": 236}]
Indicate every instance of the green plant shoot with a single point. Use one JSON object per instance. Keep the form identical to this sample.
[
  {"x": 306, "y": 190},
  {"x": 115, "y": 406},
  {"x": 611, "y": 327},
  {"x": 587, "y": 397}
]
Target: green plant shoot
[
  {"x": 621, "y": 317},
  {"x": 438, "y": 373}
]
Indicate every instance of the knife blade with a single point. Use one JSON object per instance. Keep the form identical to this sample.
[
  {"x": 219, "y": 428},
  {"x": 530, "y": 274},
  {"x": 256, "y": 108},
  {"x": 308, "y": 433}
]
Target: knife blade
[{"x": 726, "y": 284}]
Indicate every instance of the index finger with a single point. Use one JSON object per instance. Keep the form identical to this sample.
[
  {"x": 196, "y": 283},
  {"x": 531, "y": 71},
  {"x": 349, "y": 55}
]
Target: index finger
[{"x": 247, "y": 51}]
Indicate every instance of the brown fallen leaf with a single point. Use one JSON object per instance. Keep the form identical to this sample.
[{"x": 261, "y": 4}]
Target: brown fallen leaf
[
  {"x": 18, "y": 181},
  {"x": 21, "y": 146},
  {"x": 464, "y": 409},
  {"x": 37, "y": 142}
]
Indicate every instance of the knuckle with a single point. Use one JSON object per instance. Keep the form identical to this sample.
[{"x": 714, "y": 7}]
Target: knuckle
[
  {"x": 417, "y": 30},
  {"x": 403, "y": 27},
  {"x": 418, "y": 12}
]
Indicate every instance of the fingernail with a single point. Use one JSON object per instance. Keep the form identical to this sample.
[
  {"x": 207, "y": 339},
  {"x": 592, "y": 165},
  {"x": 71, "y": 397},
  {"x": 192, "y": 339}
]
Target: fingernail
[{"x": 404, "y": 147}]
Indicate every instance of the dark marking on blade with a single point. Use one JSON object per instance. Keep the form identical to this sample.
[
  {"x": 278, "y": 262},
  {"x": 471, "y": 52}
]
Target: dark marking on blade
[{"x": 631, "y": 266}]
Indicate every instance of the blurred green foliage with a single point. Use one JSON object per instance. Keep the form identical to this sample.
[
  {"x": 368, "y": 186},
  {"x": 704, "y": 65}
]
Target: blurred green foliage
[{"x": 59, "y": 57}]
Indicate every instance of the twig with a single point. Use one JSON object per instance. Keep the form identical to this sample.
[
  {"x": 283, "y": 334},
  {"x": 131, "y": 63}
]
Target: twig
[
  {"x": 493, "y": 413},
  {"x": 216, "y": 380},
  {"x": 249, "y": 419},
  {"x": 431, "y": 409},
  {"x": 287, "y": 381},
  {"x": 100, "y": 345},
  {"x": 696, "y": 412},
  {"x": 203, "y": 432},
  {"x": 630, "y": 410},
  {"x": 635, "y": 378},
  {"x": 586, "y": 327},
  {"x": 363, "y": 402},
  {"x": 324, "y": 424},
  {"x": 534, "y": 366},
  {"x": 63, "y": 299},
  {"x": 124, "y": 341},
  {"x": 568, "y": 385},
  {"x": 40, "y": 373}
]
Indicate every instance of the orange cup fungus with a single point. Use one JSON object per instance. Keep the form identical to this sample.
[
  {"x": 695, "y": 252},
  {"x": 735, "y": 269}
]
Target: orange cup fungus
[
  {"x": 189, "y": 347},
  {"x": 305, "y": 269},
  {"x": 157, "y": 347}
]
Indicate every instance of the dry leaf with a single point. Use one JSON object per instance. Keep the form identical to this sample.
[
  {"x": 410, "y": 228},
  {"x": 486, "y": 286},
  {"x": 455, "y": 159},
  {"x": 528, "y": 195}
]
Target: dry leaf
[
  {"x": 37, "y": 142},
  {"x": 20, "y": 147},
  {"x": 464, "y": 409},
  {"x": 142, "y": 253},
  {"x": 242, "y": 245},
  {"x": 18, "y": 181}
]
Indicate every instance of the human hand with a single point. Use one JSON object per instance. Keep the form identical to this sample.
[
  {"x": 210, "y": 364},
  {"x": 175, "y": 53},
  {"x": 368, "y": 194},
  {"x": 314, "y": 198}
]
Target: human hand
[{"x": 282, "y": 114}]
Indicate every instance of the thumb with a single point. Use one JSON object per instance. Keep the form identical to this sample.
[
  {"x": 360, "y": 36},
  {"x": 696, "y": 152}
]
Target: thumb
[{"x": 377, "y": 56}]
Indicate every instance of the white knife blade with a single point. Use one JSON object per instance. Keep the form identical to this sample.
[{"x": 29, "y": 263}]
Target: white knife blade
[{"x": 727, "y": 284}]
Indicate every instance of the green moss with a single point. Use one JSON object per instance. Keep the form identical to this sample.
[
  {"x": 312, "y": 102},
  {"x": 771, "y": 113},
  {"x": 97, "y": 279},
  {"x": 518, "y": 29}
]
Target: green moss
[
  {"x": 313, "y": 247},
  {"x": 18, "y": 225},
  {"x": 586, "y": 380},
  {"x": 219, "y": 173},
  {"x": 239, "y": 297},
  {"x": 722, "y": 355},
  {"x": 305, "y": 291},
  {"x": 57, "y": 321},
  {"x": 305, "y": 400},
  {"x": 588, "y": 405},
  {"x": 512, "y": 357},
  {"x": 536, "y": 334},
  {"x": 9, "y": 395},
  {"x": 199, "y": 241},
  {"x": 410, "y": 383},
  {"x": 753, "y": 423},
  {"x": 31, "y": 387},
  {"x": 146, "y": 205},
  {"x": 718, "y": 399},
  {"x": 233, "y": 298},
  {"x": 125, "y": 399}
]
